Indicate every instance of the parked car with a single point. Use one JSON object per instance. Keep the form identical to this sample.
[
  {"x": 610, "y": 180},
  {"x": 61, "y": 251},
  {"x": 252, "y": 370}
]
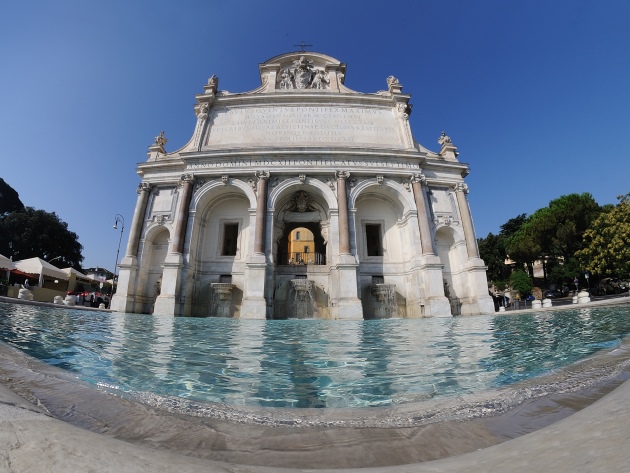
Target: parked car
[
  {"x": 553, "y": 294},
  {"x": 611, "y": 286}
]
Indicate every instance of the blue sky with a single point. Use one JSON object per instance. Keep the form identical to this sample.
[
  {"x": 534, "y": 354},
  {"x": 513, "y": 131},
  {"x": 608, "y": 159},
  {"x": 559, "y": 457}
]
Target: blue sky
[{"x": 535, "y": 94}]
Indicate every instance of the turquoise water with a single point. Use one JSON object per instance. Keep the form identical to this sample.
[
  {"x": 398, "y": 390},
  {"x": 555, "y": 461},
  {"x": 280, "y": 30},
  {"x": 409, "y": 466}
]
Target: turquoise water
[{"x": 309, "y": 363}]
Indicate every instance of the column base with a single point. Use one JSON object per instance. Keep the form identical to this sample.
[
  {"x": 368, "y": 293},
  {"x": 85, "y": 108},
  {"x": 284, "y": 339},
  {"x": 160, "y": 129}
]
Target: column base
[
  {"x": 254, "y": 309},
  {"x": 438, "y": 306},
  {"x": 122, "y": 303},
  {"x": 482, "y": 305},
  {"x": 166, "y": 305},
  {"x": 347, "y": 309}
]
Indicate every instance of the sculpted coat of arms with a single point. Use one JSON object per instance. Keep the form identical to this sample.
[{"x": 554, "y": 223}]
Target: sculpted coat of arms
[{"x": 302, "y": 75}]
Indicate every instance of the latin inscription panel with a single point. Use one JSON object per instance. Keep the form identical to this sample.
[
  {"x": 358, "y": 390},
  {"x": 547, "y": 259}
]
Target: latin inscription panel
[{"x": 303, "y": 126}]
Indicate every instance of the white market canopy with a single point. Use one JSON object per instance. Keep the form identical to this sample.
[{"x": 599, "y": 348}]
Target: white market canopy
[
  {"x": 39, "y": 266},
  {"x": 5, "y": 263},
  {"x": 77, "y": 274}
]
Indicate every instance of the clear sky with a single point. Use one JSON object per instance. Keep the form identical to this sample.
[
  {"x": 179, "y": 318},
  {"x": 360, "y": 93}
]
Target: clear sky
[{"x": 535, "y": 93}]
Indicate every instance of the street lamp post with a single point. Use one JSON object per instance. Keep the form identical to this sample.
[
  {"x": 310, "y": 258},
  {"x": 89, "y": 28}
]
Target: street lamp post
[{"x": 121, "y": 220}]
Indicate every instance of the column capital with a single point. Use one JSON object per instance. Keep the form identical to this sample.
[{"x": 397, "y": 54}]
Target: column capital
[
  {"x": 144, "y": 187},
  {"x": 188, "y": 177},
  {"x": 418, "y": 177},
  {"x": 342, "y": 175},
  {"x": 461, "y": 187},
  {"x": 263, "y": 175}
]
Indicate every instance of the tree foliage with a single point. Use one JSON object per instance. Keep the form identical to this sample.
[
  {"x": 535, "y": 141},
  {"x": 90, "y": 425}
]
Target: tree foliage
[
  {"x": 9, "y": 199},
  {"x": 37, "y": 233},
  {"x": 606, "y": 249},
  {"x": 521, "y": 282},
  {"x": 554, "y": 234},
  {"x": 492, "y": 250}
]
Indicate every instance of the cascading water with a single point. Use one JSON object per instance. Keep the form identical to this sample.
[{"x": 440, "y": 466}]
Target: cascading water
[
  {"x": 303, "y": 301},
  {"x": 385, "y": 295}
]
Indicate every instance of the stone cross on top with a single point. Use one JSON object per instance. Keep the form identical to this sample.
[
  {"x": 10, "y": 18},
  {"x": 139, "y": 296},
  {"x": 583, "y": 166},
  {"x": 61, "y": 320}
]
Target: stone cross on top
[{"x": 303, "y": 45}]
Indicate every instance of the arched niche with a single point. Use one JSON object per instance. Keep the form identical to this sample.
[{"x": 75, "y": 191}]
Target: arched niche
[
  {"x": 451, "y": 250},
  {"x": 301, "y": 209},
  {"x": 154, "y": 251}
]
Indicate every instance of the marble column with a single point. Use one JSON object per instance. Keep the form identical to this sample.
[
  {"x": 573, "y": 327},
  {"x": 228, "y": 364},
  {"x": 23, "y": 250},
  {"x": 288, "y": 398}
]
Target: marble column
[
  {"x": 254, "y": 304},
  {"x": 461, "y": 190},
  {"x": 261, "y": 212},
  {"x": 183, "y": 207},
  {"x": 170, "y": 300},
  {"x": 124, "y": 299},
  {"x": 475, "y": 298},
  {"x": 342, "y": 203},
  {"x": 346, "y": 304},
  {"x": 138, "y": 219},
  {"x": 418, "y": 181}
]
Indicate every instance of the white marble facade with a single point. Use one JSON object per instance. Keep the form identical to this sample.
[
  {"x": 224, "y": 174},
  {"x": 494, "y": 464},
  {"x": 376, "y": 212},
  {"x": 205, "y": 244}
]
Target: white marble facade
[{"x": 393, "y": 233}]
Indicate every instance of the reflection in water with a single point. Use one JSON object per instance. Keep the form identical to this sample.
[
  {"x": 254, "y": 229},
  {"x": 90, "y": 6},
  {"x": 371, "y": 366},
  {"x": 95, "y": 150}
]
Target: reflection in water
[{"x": 309, "y": 363}]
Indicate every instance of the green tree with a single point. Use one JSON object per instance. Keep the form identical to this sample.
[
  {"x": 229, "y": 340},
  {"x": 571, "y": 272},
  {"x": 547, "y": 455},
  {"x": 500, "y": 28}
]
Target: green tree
[
  {"x": 492, "y": 250},
  {"x": 553, "y": 235},
  {"x": 37, "y": 233},
  {"x": 606, "y": 249},
  {"x": 9, "y": 199},
  {"x": 521, "y": 282}
]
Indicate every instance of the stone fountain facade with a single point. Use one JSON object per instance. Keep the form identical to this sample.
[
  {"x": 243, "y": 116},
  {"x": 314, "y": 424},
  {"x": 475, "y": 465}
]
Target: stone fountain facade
[{"x": 302, "y": 151}]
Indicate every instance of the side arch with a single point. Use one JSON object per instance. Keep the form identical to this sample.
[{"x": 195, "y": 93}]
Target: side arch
[
  {"x": 394, "y": 190},
  {"x": 288, "y": 186},
  {"x": 212, "y": 189}
]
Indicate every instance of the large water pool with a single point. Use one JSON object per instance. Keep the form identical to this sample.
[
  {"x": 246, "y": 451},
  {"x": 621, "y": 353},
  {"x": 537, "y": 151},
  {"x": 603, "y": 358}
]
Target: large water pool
[{"x": 309, "y": 363}]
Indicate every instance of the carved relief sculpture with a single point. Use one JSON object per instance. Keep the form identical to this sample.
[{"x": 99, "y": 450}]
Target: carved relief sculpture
[
  {"x": 199, "y": 183},
  {"x": 202, "y": 111},
  {"x": 286, "y": 79},
  {"x": 302, "y": 201},
  {"x": 320, "y": 79},
  {"x": 303, "y": 72}
]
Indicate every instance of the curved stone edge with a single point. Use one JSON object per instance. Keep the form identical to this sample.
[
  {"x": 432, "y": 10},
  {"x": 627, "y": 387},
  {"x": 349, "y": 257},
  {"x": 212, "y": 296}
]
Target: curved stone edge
[{"x": 594, "y": 439}]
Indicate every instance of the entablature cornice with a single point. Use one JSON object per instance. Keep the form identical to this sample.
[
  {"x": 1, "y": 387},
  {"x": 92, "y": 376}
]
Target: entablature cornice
[
  {"x": 299, "y": 97},
  {"x": 309, "y": 152}
]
